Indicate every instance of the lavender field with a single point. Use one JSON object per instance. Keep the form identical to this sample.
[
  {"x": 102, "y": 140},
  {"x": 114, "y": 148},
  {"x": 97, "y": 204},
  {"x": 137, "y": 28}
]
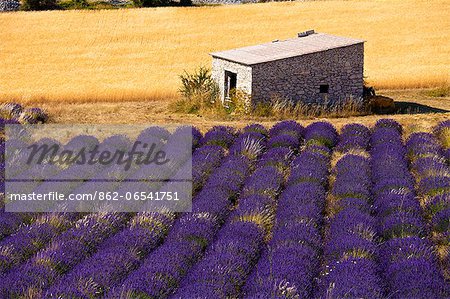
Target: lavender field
[{"x": 281, "y": 212}]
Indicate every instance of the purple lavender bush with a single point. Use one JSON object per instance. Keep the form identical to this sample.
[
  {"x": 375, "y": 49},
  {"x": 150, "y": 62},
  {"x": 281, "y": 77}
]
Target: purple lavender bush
[
  {"x": 14, "y": 111},
  {"x": 124, "y": 251},
  {"x": 351, "y": 249},
  {"x": 409, "y": 265},
  {"x": 288, "y": 264},
  {"x": 430, "y": 169}
]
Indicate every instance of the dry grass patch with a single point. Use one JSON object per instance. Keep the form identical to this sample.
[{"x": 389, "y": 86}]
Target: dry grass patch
[{"x": 157, "y": 112}]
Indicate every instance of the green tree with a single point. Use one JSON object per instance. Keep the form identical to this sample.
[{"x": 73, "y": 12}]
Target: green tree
[
  {"x": 151, "y": 3},
  {"x": 39, "y": 4},
  {"x": 186, "y": 2}
]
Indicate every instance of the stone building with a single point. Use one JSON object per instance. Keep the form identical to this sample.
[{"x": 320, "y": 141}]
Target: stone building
[{"x": 313, "y": 68}]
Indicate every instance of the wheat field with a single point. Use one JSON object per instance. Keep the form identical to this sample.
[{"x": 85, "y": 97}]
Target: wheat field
[{"x": 137, "y": 54}]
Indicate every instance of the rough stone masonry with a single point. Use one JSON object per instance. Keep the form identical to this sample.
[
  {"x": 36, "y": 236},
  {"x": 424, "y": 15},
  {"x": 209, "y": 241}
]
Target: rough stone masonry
[{"x": 313, "y": 68}]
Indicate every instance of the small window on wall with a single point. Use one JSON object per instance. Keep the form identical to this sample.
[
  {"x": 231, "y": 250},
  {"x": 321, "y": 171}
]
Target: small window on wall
[{"x": 324, "y": 88}]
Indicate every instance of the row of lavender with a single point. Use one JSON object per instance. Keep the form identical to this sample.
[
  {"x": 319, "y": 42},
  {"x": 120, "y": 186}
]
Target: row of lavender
[
  {"x": 136, "y": 254},
  {"x": 289, "y": 263},
  {"x": 428, "y": 163},
  {"x": 228, "y": 260},
  {"x": 75, "y": 241},
  {"x": 10, "y": 222},
  {"x": 162, "y": 270},
  {"x": 249, "y": 237},
  {"x": 54, "y": 173},
  {"x": 406, "y": 257},
  {"x": 405, "y": 265},
  {"x": 48, "y": 275},
  {"x": 24, "y": 234},
  {"x": 13, "y": 113},
  {"x": 442, "y": 133},
  {"x": 350, "y": 248},
  {"x": 246, "y": 146}
]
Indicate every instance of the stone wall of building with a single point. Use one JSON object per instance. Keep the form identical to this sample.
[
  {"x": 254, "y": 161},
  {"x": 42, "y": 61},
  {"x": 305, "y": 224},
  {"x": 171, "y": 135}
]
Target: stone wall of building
[
  {"x": 299, "y": 78},
  {"x": 244, "y": 75}
]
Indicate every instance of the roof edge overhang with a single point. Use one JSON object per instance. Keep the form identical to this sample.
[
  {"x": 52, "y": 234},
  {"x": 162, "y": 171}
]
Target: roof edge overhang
[{"x": 214, "y": 55}]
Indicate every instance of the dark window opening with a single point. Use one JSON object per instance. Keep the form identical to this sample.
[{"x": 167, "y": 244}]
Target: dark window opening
[
  {"x": 323, "y": 88},
  {"x": 230, "y": 83}
]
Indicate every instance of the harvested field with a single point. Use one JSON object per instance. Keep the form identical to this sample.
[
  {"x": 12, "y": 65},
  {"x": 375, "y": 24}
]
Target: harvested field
[{"x": 137, "y": 54}]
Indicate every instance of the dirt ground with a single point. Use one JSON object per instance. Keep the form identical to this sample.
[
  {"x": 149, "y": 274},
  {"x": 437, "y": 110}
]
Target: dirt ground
[{"x": 157, "y": 112}]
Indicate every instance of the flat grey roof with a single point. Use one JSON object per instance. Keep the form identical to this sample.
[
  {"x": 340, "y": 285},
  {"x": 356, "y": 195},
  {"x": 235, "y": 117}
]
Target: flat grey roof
[{"x": 312, "y": 43}]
